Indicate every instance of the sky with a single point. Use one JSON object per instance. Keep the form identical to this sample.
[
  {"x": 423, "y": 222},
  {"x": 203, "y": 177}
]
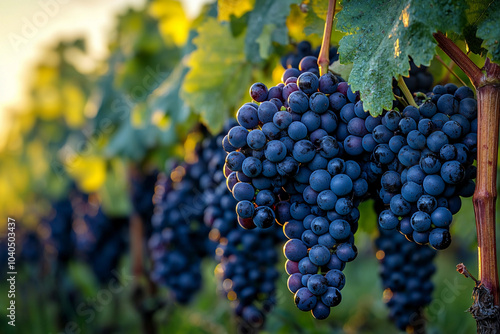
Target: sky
[{"x": 29, "y": 26}]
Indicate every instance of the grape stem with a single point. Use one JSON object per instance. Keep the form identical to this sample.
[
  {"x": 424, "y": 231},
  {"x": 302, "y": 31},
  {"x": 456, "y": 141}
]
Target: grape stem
[
  {"x": 488, "y": 96},
  {"x": 324, "y": 57},
  {"x": 450, "y": 70},
  {"x": 406, "y": 92},
  {"x": 460, "y": 58}
]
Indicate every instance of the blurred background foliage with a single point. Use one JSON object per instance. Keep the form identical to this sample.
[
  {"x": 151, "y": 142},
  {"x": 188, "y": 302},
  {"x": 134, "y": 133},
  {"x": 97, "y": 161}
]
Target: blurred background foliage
[{"x": 165, "y": 74}]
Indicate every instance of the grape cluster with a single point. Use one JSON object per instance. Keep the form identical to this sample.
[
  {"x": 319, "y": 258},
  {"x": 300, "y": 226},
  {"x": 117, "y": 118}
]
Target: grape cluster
[
  {"x": 247, "y": 259},
  {"x": 419, "y": 80},
  {"x": 101, "y": 239},
  {"x": 285, "y": 162},
  {"x": 406, "y": 271},
  {"x": 306, "y": 153},
  {"x": 179, "y": 240},
  {"x": 304, "y": 49},
  {"x": 427, "y": 156},
  {"x": 62, "y": 237},
  {"x": 274, "y": 140}
]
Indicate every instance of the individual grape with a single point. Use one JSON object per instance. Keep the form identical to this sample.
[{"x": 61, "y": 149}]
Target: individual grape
[
  {"x": 396, "y": 143},
  {"x": 328, "y": 122},
  {"x": 411, "y": 191},
  {"x": 298, "y": 102},
  {"x": 243, "y": 191},
  {"x": 399, "y": 206},
  {"x": 332, "y": 297},
  {"x": 305, "y": 300},
  {"x": 319, "y": 255},
  {"x": 251, "y": 167},
  {"x": 439, "y": 238},
  {"x": 341, "y": 184},
  {"x": 433, "y": 185},
  {"x": 270, "y": 131},
  {"x": 311, "y": 120},
  {"x": 307, "y": 63},
  {"x": 264, "y": 217},
  {"x": 408, "y": 156},
  {"x": 339, "y": 229},
  {"x": 407, "y": 124},
  {"x": 347, "y": 112},
  {"x": 428, "y": 109},
  {"x": 464, "y": 92},
  {"x": 266, "y": 111},
  {"x": 427, "y": 203},
  {"x": 353, "y": 145},
  {"x": 356, "y": 126},
  {"x": 320, "y": 180},
  {"x": 468, "y": 108},
  {"x": 308, "y": 82},
  {"x": 318, "y": 102},
  {"x": 346, "y": 252},
  {"x": 256, "y": 139},
  {"x": 441, "y": 217},
  {"x": 328, "y": 83},
  {"x": 447, "y": 104},
  {"x": 337, "y": 101},
  {"x": 392, "y": 119},
  {"x": 326, "y": 200},
  {"x": 381, "y": 134},
  {"x": 452, "y": 129},
  {"x": 258, "y": 92},
  {"x": 297, "y": 130},
  {"x": 287, "y": 167},
  {"x": 245, "y": 209},
  {"x": 382, "y": 154},
  {"x": 452, "y": 172},
  {"x": 416, "y": 139},
  {"x": 275, "y": 151},
  {"x": 421, "y": 221},
  {"x": 304, "y": 151},
  {"x": 372, "y": 122},
  {"x": 287, "y": 90},
  {"x": 430, "y": 164},
  {"x": 247, "y": 116}
]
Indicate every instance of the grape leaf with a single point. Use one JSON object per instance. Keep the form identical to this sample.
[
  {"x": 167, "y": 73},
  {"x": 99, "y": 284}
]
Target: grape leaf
[
  {"x": 236, "y": 8},
  {"x": 166, "y": 98},
  {"x": 315, "y": 18},
  {"x": 266, "y": 12},
  {"x": 381, "y": 36},
  {"x": 489, "y": 30},
  {"x": 343, "y": 70},
  {"x": 218, "y": 74},
  {"x": 265, "y": 40}
]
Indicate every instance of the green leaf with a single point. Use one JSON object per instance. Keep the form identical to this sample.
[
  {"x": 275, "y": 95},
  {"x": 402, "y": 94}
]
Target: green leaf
[
  {"x": 238, "y": 24},
  {"x": 381, "y": 36},
  {"x": 474, "y": 43},
  {"x": 218, "y": 74},
  {"x": 265, "y": 40},
  {"x": 315, "y": 18},
  {"x": 343, "y": 70},
  {"x": 166, "y": 98},
  {"x": 266, "y": 12},
  {"x": 489, "y": 31}
]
